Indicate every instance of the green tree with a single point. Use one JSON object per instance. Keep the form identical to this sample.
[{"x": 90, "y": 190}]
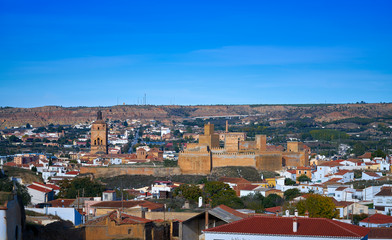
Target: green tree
[
  {"x": 289, "y": 181},
  {"x": 125, "y": 123},
  {"x": 303, "y": 178},
  {"x": 290, "y": 194},
  {"x": 188, "y": 191},
  {"x": 318, "y": 207},
  {"x": 378, "y": 153},
  {"x": 34, "y": 169},
  {"x": 359, "y": 148},
  {"x": 221, "y": 193},
  {"x": 7, "y": 185},
  {"x": 254, "y": 202},
  {"x": 82, "y": 186},
  {"x": 273, "y": 200}
]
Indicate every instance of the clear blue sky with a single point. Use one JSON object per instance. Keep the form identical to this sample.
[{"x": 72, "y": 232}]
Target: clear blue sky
[{"x": 100, "y": 53}]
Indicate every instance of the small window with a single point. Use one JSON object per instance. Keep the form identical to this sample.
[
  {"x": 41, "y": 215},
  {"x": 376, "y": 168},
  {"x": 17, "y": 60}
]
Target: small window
[
  {"x": 129, "y": 231},
  {"x": 98, "y": 128}
]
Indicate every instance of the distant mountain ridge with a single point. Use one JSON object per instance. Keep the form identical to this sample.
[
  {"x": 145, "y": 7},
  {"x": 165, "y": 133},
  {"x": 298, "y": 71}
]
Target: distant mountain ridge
[{"x": 42, "y": 116}]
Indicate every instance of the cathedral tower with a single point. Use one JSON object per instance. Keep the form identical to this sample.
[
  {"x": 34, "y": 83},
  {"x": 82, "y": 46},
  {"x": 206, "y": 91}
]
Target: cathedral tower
[{"x": 99, "y": 136}]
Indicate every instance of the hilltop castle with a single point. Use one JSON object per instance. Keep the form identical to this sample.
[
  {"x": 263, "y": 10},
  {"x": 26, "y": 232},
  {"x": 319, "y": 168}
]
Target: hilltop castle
[{"x": 200, "y": 158}]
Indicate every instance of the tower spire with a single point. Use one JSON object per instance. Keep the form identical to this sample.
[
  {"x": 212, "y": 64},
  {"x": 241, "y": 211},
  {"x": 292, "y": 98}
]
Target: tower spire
[{"x": 99, "y": 115}]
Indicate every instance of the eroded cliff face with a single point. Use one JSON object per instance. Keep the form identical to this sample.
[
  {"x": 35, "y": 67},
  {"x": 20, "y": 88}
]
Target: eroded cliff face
[{"x": 42, "y": 116}]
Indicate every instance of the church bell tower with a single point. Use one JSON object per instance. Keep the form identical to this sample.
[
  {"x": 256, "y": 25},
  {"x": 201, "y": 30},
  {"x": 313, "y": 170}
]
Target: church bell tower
[{"x": 99, "y": 136}]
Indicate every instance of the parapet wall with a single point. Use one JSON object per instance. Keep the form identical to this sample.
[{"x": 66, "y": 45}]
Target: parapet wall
[{"x": 130, "y": 170}]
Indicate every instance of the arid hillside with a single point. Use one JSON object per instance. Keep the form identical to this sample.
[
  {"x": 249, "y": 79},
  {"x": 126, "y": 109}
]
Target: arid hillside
[{"x": 42, "y": 116}]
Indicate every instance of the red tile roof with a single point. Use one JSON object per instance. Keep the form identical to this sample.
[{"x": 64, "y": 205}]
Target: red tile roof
[
  {"x": 232, "y": 211},
  {"x": 274, "y": 209},
  {"x": 372, "y": 174},
  {"x": 291, "y": 171},
  {"x": 72, "y": 173},
  {"x": 62, "y": 202},
  {"x": 378, "y": 219},
  {"x": 385, "y": 191},
  {"x": 248, "y": 187},
  {"x": 380, "y": 233},
  {"x": 233, "y": 180},
  {"x": 41, "y": 189},
  {"x": 264, "y": 225},
  {"x": 342, "y": 172}
]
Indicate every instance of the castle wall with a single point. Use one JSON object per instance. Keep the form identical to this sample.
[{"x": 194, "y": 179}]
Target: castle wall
[
  {"x": 195, "y": 162},
  {"x": 270, "y": 161},
  {"x": 296, "y": 159},
  {"x": 129, "y": 170}
]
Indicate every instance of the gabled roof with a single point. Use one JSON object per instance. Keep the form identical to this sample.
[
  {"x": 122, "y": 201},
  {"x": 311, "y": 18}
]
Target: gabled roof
[
  {"x": 248, "y": 187},
  {"x": 340, "y": 188},
  {"x": 38, "y": 188},
  {"x": 273, "y": 209},
  {"x": 263, "y": 225},
  {"x": 378, "y": 219},
  {"x": 385, "y": 191},
  {"x": 342, "y": 172},
  {"x": 227, "y": 214},
  {"x": 372, "y": 174},
  {"x": 233, "y": 180},
  {"x": 62, "y": 202}
]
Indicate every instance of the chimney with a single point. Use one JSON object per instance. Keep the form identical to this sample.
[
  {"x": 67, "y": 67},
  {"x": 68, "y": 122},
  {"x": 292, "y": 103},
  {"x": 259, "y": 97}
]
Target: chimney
[
  {"x": 296, "y": 213},
  {"x": 118, "y": 214},
  {"x": 295, "y": 224},
  {"x": 307, "y": 214},
  {"x": 287, "y": 213}
]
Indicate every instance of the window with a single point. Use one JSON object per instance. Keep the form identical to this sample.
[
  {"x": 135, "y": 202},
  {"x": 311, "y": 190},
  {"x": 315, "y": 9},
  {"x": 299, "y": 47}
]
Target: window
[
  {"x": 98, "y": 128},
  {"x": 129, "y": 231},
  {"x": 299, "y": 171},
  {"x": 389, "y": 201},
  {"x": 361, "y": 211},
  {"x": 379, "y": 200}
]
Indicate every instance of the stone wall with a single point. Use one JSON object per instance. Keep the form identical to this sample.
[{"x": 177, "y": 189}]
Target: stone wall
[
  {"x": 130, "y": 170},
  {"x": 227, "y": 159},
  {"x": 195, "y": 162}
]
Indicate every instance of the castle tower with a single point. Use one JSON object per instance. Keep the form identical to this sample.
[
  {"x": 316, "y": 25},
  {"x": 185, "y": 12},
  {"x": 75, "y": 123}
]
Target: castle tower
[
  {"x": 209, "y": 138},
  {"x": 99, "y": 136}
]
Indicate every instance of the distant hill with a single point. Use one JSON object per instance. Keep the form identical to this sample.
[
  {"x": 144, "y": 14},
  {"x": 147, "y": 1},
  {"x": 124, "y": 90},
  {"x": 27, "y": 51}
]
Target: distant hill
[{"x": 42, "y": 116}]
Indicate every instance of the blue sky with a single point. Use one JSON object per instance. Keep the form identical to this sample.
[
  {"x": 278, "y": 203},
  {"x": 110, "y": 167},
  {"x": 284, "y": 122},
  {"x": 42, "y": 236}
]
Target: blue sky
[{"x": 100, "y": 53}]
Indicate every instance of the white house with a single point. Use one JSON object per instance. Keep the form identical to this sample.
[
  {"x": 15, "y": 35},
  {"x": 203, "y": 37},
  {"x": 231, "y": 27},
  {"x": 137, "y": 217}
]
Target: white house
[
  {"x": 344, "y": 194},
  {"x": 383, "y": 200},
  {"x": 40, "y": 193},
  {"x": 65, "y": 213},
  {"x": 371, "y": 175}
]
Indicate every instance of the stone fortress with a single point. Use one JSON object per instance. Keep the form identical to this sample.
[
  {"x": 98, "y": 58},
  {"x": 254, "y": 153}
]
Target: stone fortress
[{"x": 200, "y": 158}]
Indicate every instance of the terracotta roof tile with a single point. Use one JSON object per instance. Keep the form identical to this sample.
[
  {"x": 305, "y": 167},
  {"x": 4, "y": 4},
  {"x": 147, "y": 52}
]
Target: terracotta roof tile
[
  {"x": 385, "y": 191},
  {"x": 284, "y": 226},
  {"x": 378, "y": 219}
]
